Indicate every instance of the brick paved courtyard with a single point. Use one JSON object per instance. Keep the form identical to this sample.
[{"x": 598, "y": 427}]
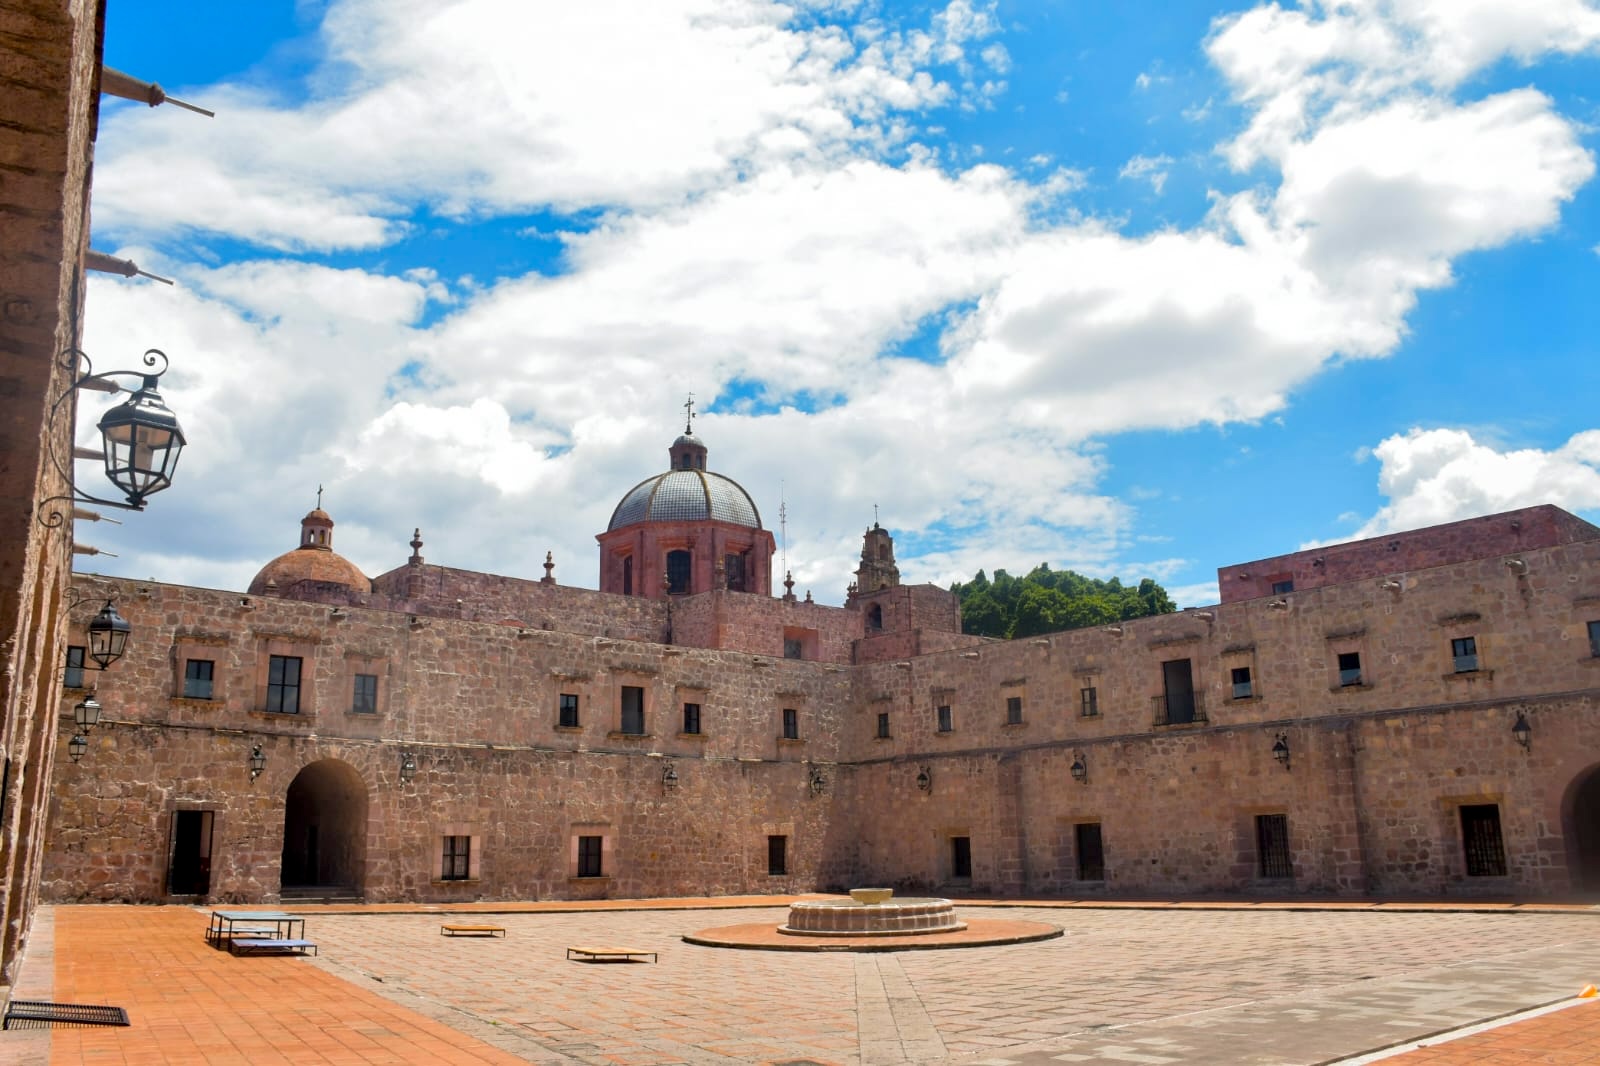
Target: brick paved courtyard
[{"x": 1249, "y": 984}]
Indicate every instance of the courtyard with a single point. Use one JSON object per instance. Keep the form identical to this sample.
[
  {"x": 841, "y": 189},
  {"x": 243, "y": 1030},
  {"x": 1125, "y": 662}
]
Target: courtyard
[{"x": 1137, "y": 983}]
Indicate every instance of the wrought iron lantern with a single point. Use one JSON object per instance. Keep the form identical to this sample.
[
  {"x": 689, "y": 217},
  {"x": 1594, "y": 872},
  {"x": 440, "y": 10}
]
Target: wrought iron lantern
[
  {"x": 408, "y": 765},
  {"x": 1280, "y": 750},
  {"x": 1079, "y": 769},
  {"x": 108, "y": 635},
  {"x": 258, "y": 762},
  {"x": 86, "y": 715},
  {"x": 818, "y": 783},
  {"x": 924, "y": 780},
  {"x": 77, "y": 746},
  {"x": 669, "y": 777},
  {"x": 1523, "y": 732}
]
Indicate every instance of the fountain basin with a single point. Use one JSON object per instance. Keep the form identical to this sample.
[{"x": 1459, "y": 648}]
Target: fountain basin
[
  {"x": 870, "y": 896},
  {"x": 908, "y": 916}
]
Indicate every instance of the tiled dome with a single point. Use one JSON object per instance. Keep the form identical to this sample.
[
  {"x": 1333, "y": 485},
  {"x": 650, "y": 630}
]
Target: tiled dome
[
  {"x": 314, "y": 560},
  {"x": 686, "y": 496}
]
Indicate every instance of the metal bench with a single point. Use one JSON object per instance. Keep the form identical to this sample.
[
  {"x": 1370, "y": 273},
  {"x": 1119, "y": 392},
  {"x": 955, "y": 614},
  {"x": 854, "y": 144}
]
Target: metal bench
[
  {"x": 248, "y": 945},
  {"x": 609, "y": 955},
  {"x": 472, "y": 930}
]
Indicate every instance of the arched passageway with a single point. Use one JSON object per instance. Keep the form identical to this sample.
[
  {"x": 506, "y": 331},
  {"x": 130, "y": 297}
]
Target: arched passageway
[
  {"x": 1583, "y": 831},
  {"x": 325, "y": 831}
]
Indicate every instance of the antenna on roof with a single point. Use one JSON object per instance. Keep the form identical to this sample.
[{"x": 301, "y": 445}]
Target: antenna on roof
[{"x": 783, "y": 525}]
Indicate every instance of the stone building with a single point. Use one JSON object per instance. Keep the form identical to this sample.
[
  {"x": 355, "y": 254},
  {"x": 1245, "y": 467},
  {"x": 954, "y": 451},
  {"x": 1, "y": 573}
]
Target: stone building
[{"x": 1423, "y": 722}]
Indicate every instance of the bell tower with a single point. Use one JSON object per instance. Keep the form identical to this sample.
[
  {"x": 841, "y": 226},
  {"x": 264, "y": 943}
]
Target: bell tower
[{"x": 877, "y": 570}]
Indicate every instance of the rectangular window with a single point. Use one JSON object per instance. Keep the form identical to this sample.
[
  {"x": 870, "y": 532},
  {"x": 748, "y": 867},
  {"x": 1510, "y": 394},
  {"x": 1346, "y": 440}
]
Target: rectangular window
[
  {"x": 1594, "y": 639},
  {"x": 1242, "y": 689},
  {"x": 633, "y": 710},
  {"x": 1013, "y": 710},
  {"x": 197, "y": 679},
  {"x": 1280, "y": 588},
  {"x": 883, "y": 725},
  {"x": 589, "y": 857},
  {"x": 793, "y": 649},
  {"x": 1272, "y": 845},
  {"x": 961, "y": 857},
  {"x": 1177, "y": 698},
  {"x": 1465, "y": 652},
  {"x": 364, "y": 697},
  {"x": 791, "y": 724},
  {"x": 283, "y": 684},
  {"x": 777, "y": 855},
  {"x": 1349, "y": 668},
  {"x": 567, "y": 710},
  {"x": 457, "y": 864},
  {"x": 946, "y": 720},
  {"x": 1089, "y": 700},
  {"x": 1091, "y": 855},
  {"x": 691, "y": 718},
  {"x": 1481, "y": 840},
  {"x": 76, "y": 655}
]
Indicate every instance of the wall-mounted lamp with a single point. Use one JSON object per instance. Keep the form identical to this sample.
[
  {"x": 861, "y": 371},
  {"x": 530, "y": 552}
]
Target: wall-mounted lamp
[
  {"x": 1523, "y": 732},
  {"x": 108, "y": 635},
  {"x": 1280, "y": 750},
  {"x": 86, "y": 715},
  {"x": 141, "y": 437},
  {"x": 258, "y": 762},
  {"x": 669, "y": 777},
  {"x": 1080, "y": 769},
  {"x": 817, "y": 782},
  {"x": 77, "y": 746},
  {"x": 924, "y": 780},
  {"x": 408, "y": 765}
]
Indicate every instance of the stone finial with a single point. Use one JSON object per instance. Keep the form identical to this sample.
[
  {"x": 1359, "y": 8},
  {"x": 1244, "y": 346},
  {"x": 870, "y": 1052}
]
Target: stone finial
[
  {"x": 808, "y": 596},
  {"x": 416, "y": 547},
  {"x": 788, "y": 586},
  {"x": 549, "y": 570}
]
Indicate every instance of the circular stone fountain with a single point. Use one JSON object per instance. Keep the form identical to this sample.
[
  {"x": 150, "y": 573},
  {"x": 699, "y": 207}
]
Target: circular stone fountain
[{"x": 872, "y": 912}]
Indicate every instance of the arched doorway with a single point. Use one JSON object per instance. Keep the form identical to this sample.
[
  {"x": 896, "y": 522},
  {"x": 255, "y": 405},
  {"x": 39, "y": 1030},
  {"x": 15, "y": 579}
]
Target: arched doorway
[
  {"x": 325, "y": 831},
  {"x": 1583, "y": 831}
]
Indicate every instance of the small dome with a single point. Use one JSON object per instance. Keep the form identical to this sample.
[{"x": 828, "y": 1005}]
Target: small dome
[
  {"x": 314, "y": 561},
  {"x": 686, "y": 496}
]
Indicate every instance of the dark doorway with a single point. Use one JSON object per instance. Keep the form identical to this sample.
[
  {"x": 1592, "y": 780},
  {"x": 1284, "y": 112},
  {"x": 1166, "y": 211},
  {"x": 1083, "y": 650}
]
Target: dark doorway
[
  {"x": 1583, "y": 828},
  {"x": 627, "y": 576},
  {"x": 325, "y": 831},
  {"x": 189, "y": 854},
  {"x": 679, "y": 564},
  {"x": 960, "y": 858},
  {"x": 1178, "y": 681}
]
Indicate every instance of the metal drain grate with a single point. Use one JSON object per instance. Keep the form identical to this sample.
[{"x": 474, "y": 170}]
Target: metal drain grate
[{"x": 31, "y": 1013}]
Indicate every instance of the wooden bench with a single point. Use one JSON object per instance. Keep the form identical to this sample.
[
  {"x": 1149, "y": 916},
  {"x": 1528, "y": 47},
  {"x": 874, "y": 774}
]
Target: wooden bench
[
  {"x": 472, "y": 930},
  {"x": 609, "y": 955},
  {"x": 250, "y": 945}
]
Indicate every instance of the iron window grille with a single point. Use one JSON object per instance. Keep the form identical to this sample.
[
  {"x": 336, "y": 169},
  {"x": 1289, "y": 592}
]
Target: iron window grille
[
  {"x": 791, "y": 724},
  {"x": 567, "y": 711},
  {"x": 1089, "y": 702},
  {"x": 197, "y": 679},
  {"x": 589, "y": 857},
  {"x": 1272, "y": 846},
  {"x": 1243, "y": 688},
  {"x": 283, "y": 684},
  {"x": 793, "y": 649},
  {"x": 945, "y": 719},
  {"x": 1189, "y": 709},
  {"x": 1349, "y": 668},
  {"x": 1013, "y": 710},
  {"x": 456, "y": 863},
  {"x": 1090, "y": 851},
  {"x": 691, "y": 718},
  {"x": 73, "y": 677},
  {"x": 1481, "y": 840},
  {"x": 1280, "y": 588},
  {"x": 777, "y": 855},
  {"x": 1464, "y": 650}
]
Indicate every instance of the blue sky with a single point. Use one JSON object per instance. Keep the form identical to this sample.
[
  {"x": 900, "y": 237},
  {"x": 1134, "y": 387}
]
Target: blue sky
[{"x": 1137, "y": 289}]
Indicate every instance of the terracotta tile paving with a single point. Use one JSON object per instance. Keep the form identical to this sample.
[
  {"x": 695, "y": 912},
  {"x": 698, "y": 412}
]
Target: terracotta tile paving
[{"x": 1225, "y": 984}]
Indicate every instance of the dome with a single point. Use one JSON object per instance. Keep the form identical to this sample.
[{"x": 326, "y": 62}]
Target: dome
[
  {"x": 314, "y": 561},
  {"x": 686, "y": 496}
]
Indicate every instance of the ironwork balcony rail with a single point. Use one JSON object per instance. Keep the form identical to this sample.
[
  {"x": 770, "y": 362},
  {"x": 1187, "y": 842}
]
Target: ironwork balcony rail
[{"x": 1179, "y": 710}]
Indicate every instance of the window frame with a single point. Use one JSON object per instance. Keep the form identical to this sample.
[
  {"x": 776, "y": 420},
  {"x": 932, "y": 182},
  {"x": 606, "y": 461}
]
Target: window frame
[
  {"x": 691, "y": 719},
  {"x": 358, "y": 682},
  {"x": 279, "y": 692},
  {"x": 1594, "y": 639},
  {"x": 1088, "y": 702},
  {"x": 591, "y": 855},
  {"x": 1349, "y": 676},
  {"x": 72, "y": 675},
  {"x": 192, "y": 680},
  {"x": 1464, "y": 654},
  {"x": 790, "y": 723},
  {"x": 455, "y": 858},
  {"x": 631, "y": 716},
  {"x": 567, "y": 701},
  {"x": 1244, "y": 687},
  {"x": 944, "y": 719},
  {"x": 883, "y": 725},
  {"x": 1013, "y": 710}
]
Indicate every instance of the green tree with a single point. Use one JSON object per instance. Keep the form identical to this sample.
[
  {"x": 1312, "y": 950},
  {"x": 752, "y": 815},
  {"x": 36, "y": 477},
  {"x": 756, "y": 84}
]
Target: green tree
[{"x": 1047, "y": 601}]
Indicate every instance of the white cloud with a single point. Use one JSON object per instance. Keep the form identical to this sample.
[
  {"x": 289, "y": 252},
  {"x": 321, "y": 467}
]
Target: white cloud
[
  {"x": 1147, "y": 168},
  {"x": 1442, "y": 475}
]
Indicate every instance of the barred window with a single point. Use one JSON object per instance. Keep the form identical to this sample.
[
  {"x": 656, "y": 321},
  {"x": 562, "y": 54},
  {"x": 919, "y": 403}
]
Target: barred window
[
  {"x": 364, "y": 698},
  {"x": 945, "y": 719},
  {"x": 1481, "y": 840},
  {"x": 457, "y": 864},
  {"x": 567, "y": 710},
  {"x": 691, "y": 718},
  {"x": 1013, "y": 710},
  {"x": 791, "y": 724},
  {"x": 1272, "y": 845}
]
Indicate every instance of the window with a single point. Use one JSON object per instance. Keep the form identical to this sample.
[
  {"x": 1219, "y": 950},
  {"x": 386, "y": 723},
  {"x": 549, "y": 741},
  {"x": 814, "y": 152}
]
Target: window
[
  {"x": 73, "y": 677},
  {"x": 1481, "y": 840},
  {"x": 791, "y": 724},
  {"x": 1177, "y": 699},
  {"x": 589, "y": 857},
  {"x": 733, "y": 571},
  {"x": 1349, "y": 668},
  {"x": 1089, "y": 699},
  {"x": 793, "y": 649},
  {"x": 1465, "y": 652},
  {"x": 633, "y": 710},
  {"x": 364, "y": 698},
  {"x": 883, "y": 725},
  {"x": 567, "y": 710},
  {"x": 874, "y": 618},
  {"x": 627, "y": 575},
  {"x": 1272, "y": 846},
  {"x": 960, "y": 857},
  {"x": 1091, "y": 855},
  {"x": 691, "y": 718},
  {"x": 197, "y": 679},
  {"x": 1013, "y": 710},
  {"x": 777, "y": 855},
  {"x": 1242, "y": 689},
  {"x": 1594, "y": 639},
  {"x": 283, "y": 684},
  {"x": 457, "y": 864},
  {"x": 679, "y": 564},
  {"x": 946, "y": 722},
  {"x": 1281, "y": 587}
]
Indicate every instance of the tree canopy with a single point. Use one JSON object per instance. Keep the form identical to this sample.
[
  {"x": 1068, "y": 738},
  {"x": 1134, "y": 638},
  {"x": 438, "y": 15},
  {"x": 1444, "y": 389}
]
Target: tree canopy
[{"x": 1049, "y": 600}]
